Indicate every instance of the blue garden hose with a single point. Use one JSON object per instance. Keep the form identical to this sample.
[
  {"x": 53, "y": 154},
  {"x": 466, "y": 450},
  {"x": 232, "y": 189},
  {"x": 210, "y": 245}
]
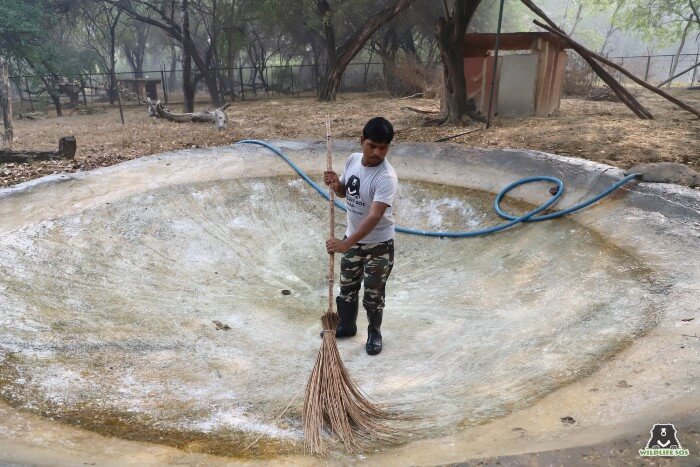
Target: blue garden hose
[{"x": 512, "y": 220}]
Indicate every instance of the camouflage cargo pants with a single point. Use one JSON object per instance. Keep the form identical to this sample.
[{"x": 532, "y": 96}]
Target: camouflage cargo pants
[{"x": 371, "y": 263}]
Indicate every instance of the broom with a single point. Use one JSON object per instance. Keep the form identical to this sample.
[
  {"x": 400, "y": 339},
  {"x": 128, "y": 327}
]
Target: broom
[{"x": 333, "y": 400}]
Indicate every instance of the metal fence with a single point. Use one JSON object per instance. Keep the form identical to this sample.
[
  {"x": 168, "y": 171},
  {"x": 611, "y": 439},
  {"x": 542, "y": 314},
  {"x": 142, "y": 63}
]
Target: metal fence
[
  {"x": 652, "y": 68},
  {"x": 238, "y": 83},
  {"x": 247, "y": 82}
]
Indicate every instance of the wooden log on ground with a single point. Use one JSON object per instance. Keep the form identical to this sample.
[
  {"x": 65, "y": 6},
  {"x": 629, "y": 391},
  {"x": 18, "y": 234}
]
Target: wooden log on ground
[
  {"x": 623, "y": 94},
  {"x": 216, "y": 116},
  {"x": 66, "y": 150}
]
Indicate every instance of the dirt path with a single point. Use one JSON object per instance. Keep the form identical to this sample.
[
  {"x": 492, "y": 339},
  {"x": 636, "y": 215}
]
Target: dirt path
[{"x": 602, "y": 131}]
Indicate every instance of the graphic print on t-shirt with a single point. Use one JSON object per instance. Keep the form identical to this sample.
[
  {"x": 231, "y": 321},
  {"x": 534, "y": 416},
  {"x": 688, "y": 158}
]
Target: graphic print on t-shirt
[
  {"x": 353, "y": 186},
  {"x": 363, "y": 186}
]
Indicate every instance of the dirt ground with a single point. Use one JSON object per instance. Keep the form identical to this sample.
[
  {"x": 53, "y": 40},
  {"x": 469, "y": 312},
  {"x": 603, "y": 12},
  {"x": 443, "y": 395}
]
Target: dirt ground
[{"x": 597, "y": 130}]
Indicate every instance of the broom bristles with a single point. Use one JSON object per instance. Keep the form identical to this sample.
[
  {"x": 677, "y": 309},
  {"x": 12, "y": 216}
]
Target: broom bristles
[{"x": 335, "y": 402}]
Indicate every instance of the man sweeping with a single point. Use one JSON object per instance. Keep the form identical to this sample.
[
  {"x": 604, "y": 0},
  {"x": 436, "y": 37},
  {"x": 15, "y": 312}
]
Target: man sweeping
[{"x": 368, "y": 184}]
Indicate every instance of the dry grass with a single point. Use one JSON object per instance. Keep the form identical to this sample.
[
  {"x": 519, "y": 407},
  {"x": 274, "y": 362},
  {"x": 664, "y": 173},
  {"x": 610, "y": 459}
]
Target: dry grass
[{"x": 601, "y": 131}]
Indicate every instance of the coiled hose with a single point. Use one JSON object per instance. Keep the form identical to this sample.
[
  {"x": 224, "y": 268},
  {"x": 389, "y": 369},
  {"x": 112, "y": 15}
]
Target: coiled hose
[{"x": 512, "y": 220}]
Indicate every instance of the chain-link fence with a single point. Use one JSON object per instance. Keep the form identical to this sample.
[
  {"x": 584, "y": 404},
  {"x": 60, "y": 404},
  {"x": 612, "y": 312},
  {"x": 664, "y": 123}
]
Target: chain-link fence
[
  {"x": 238, "y": 83},
  {"x": 654, "y": 69},
  {"x": 248, "y": 82}
]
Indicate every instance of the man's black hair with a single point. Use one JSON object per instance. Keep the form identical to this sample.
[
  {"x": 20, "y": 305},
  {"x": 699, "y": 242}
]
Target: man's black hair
[{"x": 379, "y": 130}]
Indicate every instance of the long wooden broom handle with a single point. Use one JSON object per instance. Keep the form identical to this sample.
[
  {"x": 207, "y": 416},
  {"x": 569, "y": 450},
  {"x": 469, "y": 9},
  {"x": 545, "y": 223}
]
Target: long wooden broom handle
[{"x": 331, "y": 197}]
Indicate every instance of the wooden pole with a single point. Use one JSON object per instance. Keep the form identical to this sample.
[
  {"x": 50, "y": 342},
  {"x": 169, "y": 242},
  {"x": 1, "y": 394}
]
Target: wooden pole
[
  {"x": 291, "y": 78},
  {"x": 6, "y": 102},
  {"x": 495, "y": 64},
  {"x": 82, "y": 87},
  {"x": 678, "y": 74},
  {"x": 240, "y": 75},
  {"x": 331, "y": 197},
  {"x": 162, "y": 86},
  {"x": 119, "y": 98},
  {"x": 29, "y": 94},
  {"x": 614, "y": 65},
  {"x": 646, "y": 70}
]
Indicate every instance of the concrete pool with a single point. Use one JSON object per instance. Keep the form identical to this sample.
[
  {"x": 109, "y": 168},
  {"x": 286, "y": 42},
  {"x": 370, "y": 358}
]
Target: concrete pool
[{"x": 111, "y": 281}]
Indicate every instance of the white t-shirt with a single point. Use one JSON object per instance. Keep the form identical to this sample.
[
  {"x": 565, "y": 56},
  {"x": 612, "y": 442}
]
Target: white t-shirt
[{"x": 364, "y": 185}]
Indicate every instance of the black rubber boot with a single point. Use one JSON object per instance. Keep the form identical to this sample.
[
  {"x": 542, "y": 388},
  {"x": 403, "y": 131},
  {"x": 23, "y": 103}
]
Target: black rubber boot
[
  {"x": 374, "y": 335},
  {"x": 347, "y": 311}
]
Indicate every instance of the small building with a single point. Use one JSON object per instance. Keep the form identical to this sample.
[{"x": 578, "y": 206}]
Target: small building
[{"x": 529, "y": 75}]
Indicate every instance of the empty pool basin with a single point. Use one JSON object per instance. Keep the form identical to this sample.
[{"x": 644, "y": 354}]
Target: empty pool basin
[{"x": 174, "y": 301}]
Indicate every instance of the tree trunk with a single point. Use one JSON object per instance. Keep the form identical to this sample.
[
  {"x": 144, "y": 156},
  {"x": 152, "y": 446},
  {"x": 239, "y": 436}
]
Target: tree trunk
[
  {"x": 112, "y": 75},
  {"x": 676, "y": 57},
  {"x": 6, "y": 103},
  {"x": 388, "y": 49},
  {"x": 212, "y": 87},
  {"x": 55, "y": 97},
  {"x": 450, "y": 31},
  {"x": 408, "y": 44},
  {"x": 613, "y": 27},
  {"x": 173, "y": 66},
  {"x": 138, "y": 65},
  {"x": 395, "y": 66},
  {"x": 455, "y": 105},
  {"x": 187, "y": 85},
  {"x": 56, "y": 103},
  {"x": 577, "y": 19},
  {"x": 323, "y": 9},
  {"x": 696, "y": 12},
  {"x": 354, "y": 44},
  {"x": 136, "y": 55},
  {"x": 112, "y": 58}
]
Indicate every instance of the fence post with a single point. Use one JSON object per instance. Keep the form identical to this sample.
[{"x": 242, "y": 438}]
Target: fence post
[
  {"x": 646, "y": 72},
  {"x": 365, "y": 78},
  {"x": 695, "y": 70},
  {"x": 119, "y": 97},
  {"x": 291, "y": 78},
  {"x": 29, "y": 93},
  {"x": 92, "y": 90},
  {"x": 163, "y": 86},
  {"x": 240, "y": 75},
  {"x": 18, "y": 85},
  {"x": 82, "y": 88}
]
